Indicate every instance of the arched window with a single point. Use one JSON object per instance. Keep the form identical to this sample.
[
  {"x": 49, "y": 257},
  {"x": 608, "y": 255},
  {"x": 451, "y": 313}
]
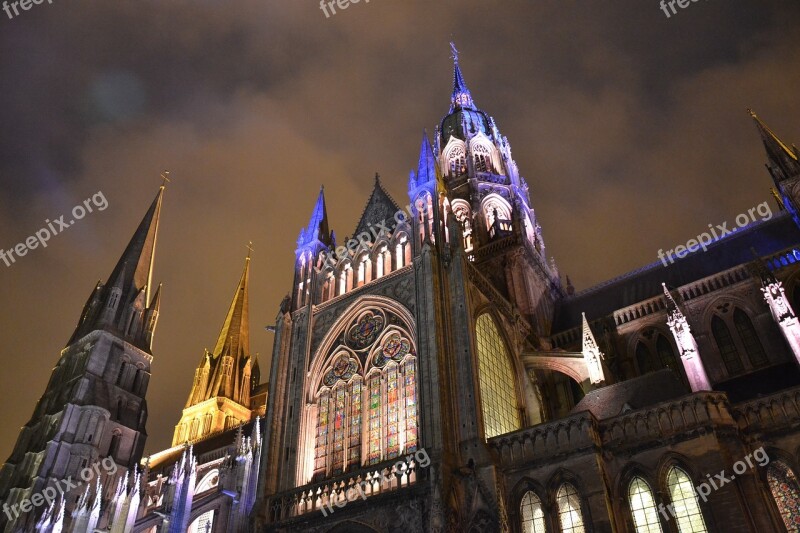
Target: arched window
[
  {"x": 727, "y": 349},
  {"x": 402, "y": 251},
  {"x": 644, "y": 359},
  {"x": 786, "y": 492},
  {"x": 116, "y": 440},
  {"x": 496, "y": 378},
  {"x": 532, "y": 514},
  {"x": 463, "y": 214},
  {"x": 752, "y": 344},
  {"x": 666, "y": 354},
  {"x": 203, "y": 524},
  {"x": 457, "y": 161},
  {"x": 569, "y": 509},
  {"x": 483, "y": 158},
  {"x": 643, "y": 507},
  {"x": 379, "y": 407},
  {"x": 688, "y": 516}
]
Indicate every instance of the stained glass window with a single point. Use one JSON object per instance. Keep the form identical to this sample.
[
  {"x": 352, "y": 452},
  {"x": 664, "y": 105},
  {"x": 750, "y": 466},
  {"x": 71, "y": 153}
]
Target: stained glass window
[
  {"x": 532, "y": 514},
  {"x": 496, "y": 377},
  {"x": 354, "y": 444},
  {"x": 688, "y": 515},
  {"x": 569, "y": 509},
  {"x": 374, "y": 454},
  {"x": 410, "y": 397},
  {"x": 367, "y": 420},
  {"x": 643, "y": 507},
  {"x": 752, "y": 344},
  {"x": 727, "y": 349},
  {"x": 320, "y": 452},
  {"x": 786, "y": 492},
  {"x": 339, "y": 430}
]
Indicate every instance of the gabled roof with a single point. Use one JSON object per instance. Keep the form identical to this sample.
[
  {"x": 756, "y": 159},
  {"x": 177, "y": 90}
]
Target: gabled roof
[{"x": 380, "y": 208}]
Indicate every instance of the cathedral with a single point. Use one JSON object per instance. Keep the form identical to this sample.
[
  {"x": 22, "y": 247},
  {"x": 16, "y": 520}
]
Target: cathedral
[{"x": 433, "y": 371}]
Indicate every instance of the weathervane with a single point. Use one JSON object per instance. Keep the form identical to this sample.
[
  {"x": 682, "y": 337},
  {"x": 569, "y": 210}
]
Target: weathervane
[
  {"x": 165, "y": 177},
  {"x": 249, "y": 249}
]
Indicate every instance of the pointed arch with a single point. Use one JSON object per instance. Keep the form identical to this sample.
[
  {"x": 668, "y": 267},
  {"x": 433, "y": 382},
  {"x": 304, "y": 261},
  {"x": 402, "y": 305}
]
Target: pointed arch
[
  {"x": 496, "y": 379},
  {"x": 362, "y": 391},
  {"x": 644, "y": 359},
  {"x": 568, "y": 503},
  {"x": 752, "y": 344},
  {"x": 484, "y": 154},
  {"x": 494, "y": 202},
  {"x": 454, "y": 157},
  {"x": 727, "y": 348},
  {"x": 666, "y": 354},
  {"x": 785, "y": 493},
  {"x": 462, "y": 211},
  {"x": 688, "y": 515},
  {"x": 531, "y": 511},
  {"x": 643, "y": 507}
]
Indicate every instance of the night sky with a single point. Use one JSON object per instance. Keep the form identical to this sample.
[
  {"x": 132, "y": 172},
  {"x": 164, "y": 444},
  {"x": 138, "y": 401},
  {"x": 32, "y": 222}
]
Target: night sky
[{"x": 630, "y": 128}]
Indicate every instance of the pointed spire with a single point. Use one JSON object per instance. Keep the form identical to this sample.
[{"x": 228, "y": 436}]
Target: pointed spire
[
  {"x": 461, "y": 96},
  {"x": 137, "y": 259},
  {"x": 592, "y": 354},
  {"x": 687, "y": 345},
  {"x": 110, "y": 303},
  {"x": 234, "y": 339},
  {"x": 317, "y": 229},
  {"x": 426, "y": 168},
  {"x": 780, "y": 155}
]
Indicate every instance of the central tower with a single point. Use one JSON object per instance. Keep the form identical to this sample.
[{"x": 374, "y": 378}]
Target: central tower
[{"x": 399, "y": 352}]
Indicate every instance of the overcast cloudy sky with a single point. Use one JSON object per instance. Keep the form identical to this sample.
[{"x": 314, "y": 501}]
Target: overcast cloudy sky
[{"x": 630, "y": 127}]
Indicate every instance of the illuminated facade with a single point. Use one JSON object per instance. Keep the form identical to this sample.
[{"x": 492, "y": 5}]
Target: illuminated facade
[{"x": 444, "y": 326}]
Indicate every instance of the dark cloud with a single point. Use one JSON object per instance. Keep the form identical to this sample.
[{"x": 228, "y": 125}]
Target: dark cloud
[{"x": 629, "y": 127}]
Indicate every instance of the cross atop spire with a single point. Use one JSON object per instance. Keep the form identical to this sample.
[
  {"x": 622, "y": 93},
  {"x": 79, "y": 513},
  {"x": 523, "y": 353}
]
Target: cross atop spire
[{"x": 461, "y": 96}]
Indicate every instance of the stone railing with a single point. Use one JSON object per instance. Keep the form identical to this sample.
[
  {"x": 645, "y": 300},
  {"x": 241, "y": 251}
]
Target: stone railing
[
  {"x": 563, "y": 436},
  {"x": 372, "y": 480},
  {"x": 670, "y": 418},
  {"x": 772, "y": 412}
]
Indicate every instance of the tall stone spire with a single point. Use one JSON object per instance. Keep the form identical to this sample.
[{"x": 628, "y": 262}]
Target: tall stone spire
[
  {"x": 317, "y": 229},
  {"x": 232, "y": 351},
  {"x": 462, "y": 98},
  {"x": 220, "y": 395},
  {"x": 687, "y": 345},
  {"x": 120, "y": 305},
  {"x": 784, "y": 162}
]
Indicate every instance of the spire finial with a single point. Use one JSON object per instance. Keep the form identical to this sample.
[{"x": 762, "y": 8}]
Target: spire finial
[
  {"x": 165, "y": 178},
  {"x": 249, "y": 249},
  {"x": 454, "y": 50}
]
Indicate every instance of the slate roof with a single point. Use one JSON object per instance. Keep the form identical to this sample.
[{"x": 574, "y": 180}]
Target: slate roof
[{"x": 765, "y": 237}]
